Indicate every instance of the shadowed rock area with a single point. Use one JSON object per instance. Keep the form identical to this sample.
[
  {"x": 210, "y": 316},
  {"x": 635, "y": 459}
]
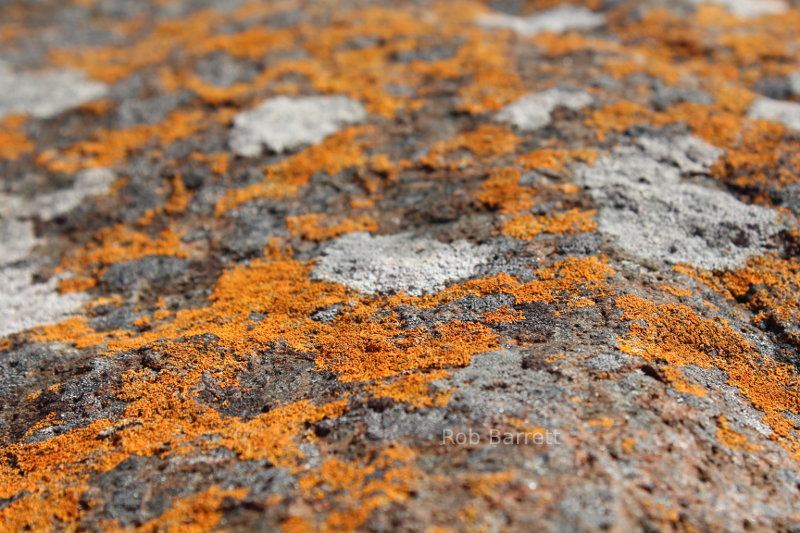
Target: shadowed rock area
[{"x": 410, "y": 266}]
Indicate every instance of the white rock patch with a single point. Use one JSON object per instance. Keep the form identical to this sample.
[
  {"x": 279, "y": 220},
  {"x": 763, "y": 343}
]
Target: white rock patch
[
  {"x": 657, "y": 217},
  {"x": 558, "y": 20},
  {"x": 794, "y": 83},
  {"x": 16, "y": 240},
  {"x": 46, "y": 206},
  {"x": 398, "y": 263},
  {"x": 749, "y": 8},
  {"x": 46, "y": 93},
  {"x": 787, "y": 113},
  {"x": 534, "y": 111},
  {"x": 25, "y": 305},
  {"x": 688, "y": 153},
  {"x": 283, "y": 123}
]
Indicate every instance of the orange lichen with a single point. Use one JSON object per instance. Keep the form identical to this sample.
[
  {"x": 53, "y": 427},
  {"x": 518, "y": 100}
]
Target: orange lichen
[
  {"x": 553, "y": 159},
  {"x": 763, "y": 155},
  {"x": 351, "y": 349},
  {"x": 44, "y": 510},
  {"x": 495, "y": 80},
  {"x": 163, "y": 416},
  {"x": 767, "y": 284},
  {"x": 504, "y": 315},
  {"x": 363, "y": 73},
  {"x": 49, "y": 421},
  {"x": 486, "y": 141},
  {"x": 109, "y": 147},
  {"x": 179, "y": 199},
  {"x": 192, "y": 514},
  {"x": 676, "y": 335},
  {"x": 413, "y": 389},
  {"x": 338, "y": 152},
  {"x": 527, "y": 226},
  {"x": 676, "y": 291},
  {"x": 486, "y": 485},
  {"x": 502, "y": 191},
  {"x": 218, "y": 162},
  {"x": 721, "y": 124},
  {"x": 111, "y": 64},
  {"x": 556, "y": 44},
  {"x": 678, "y": 380},
  {"x": 617, "y": 117},
  {"x": 119, "y": 243},
  {"x": 13, "y": 141},
  {"x": 367, "y": 341},
  {"x": 318, "y": 227},
  {"x": 350, "y": 491},
  {"x": 251, "y": 43},
  {"x": 570, "y": 280},
  {"x": 69, "y": 330},
  {"x": 733, "y": 439},
  {"x": 271, "y": 436},
  {"x": 602, "y": 422},
  {"x": 77, "y": 284}
]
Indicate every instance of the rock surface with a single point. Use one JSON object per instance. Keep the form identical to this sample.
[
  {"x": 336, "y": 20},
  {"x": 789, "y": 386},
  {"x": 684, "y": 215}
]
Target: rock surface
[
  {"x": 399, "y": 266},
  {"x": 283, "y": 124}
]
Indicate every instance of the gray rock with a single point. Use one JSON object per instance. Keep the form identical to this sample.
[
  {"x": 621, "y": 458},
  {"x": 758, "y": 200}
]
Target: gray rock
[
  {"x": 777, "y": 88},
  {"x": 787, "y": 113},
  {"x": 25, "y": 304},
  {"x": 749, "y": 8},
  {"x": 155, "y": 269},
  {"x": 49, "y": 205},
  {"x": 533, "y": 111},
  {"x": 45, "y": 94},
  {"x": 607, "y": 362},
  {"x": 655, "y": 216},
  {"x": 794, "y": 83},
  {"x": 282, "y": 124},
  {"x": 558, "y": 20},
  {"x": 582, "y": 244},
  {"x": 398, "y": 263},
  {"x": 665, "y": 97},
  {"x": 788, "y": 197}
]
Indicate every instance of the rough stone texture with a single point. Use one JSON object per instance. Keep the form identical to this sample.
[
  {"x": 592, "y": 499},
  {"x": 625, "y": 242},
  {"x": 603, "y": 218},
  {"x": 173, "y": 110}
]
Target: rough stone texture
[
  {"x": 283, "y": 124},
  {"x": 399, "y": 266}
]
